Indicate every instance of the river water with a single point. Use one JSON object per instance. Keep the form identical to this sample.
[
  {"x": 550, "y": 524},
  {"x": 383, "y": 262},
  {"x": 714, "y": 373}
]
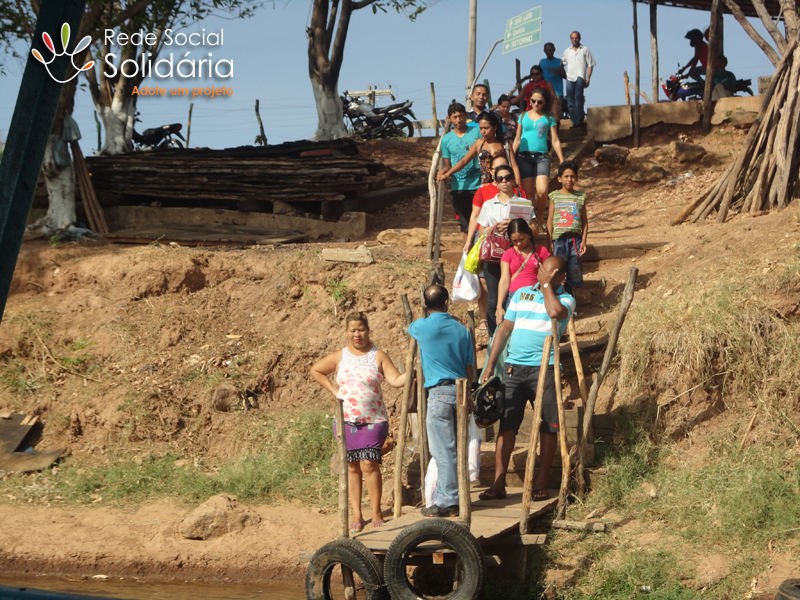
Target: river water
[{"x": 133, "y": 590}]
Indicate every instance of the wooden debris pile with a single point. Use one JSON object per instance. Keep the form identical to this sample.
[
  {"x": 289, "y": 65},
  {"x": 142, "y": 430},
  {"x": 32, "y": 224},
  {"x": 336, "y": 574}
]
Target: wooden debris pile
[
  {"x": 765, "y": 174},
  {"x": 300, "y": 172}
]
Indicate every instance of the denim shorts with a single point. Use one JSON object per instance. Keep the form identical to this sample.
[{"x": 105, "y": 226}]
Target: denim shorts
[
  {"x": 533, "y": 165},
  {"x": 519, "y": 388}
]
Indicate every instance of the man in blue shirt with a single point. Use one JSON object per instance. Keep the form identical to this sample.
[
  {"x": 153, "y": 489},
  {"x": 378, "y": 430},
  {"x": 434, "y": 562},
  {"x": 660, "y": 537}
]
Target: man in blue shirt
[
  {"x": 554, "y": 74},
  {"x": 528, "y": 322},
  {"x": 447, "y": 354}
]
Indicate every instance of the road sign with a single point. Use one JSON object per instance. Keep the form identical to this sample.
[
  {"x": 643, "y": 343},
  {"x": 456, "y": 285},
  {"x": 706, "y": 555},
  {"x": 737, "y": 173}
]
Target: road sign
[{"x": 523, "y": 30}]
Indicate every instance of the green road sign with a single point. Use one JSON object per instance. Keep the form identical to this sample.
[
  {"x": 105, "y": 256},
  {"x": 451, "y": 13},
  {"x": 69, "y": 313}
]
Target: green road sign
[{"x": 523, "y": 30}]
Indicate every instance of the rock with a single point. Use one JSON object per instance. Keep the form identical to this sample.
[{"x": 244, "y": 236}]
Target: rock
[
  {"x": 612, "y": 156},
  {"x": 226, "y": 397},
  {"x": 169, "y": 338},
  {"x": 279, "y": 207},
  {"x": 649, "y": 489},
  {"x": 647, "y": 172},
  {"x": 360, "y": 255},
  {"x": 686, "y": 152},
  {"x": 404, "y": 237},
  {"x": 586, "y": 326},
  {"x": 217, "y": 516}
]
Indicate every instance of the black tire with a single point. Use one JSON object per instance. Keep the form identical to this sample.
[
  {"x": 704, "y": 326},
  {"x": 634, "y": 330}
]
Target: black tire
[
  {"x": 349, "y": 553},
  {"x": 456, "y": 537},
  {"x": 789, "y": 590},
  {"x": 403, "y": 126}
]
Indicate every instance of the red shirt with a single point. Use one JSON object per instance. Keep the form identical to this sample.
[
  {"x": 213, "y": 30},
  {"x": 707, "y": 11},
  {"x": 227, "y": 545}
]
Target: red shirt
[
  {"x": 529, "y": 87},
  {"x": 489, "y": 191}
]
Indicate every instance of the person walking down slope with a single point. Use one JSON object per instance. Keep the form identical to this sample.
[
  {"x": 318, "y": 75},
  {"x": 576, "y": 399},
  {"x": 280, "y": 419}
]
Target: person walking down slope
[{"x": 578, "y": 64}]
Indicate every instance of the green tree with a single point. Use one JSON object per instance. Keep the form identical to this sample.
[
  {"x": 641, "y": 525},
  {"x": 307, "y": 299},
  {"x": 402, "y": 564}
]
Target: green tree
[{"x": 326, "y": 40}]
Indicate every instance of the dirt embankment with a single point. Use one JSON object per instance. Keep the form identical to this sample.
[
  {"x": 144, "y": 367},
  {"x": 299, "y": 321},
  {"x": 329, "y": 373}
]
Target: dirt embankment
[{"x": 145, "y": 335}]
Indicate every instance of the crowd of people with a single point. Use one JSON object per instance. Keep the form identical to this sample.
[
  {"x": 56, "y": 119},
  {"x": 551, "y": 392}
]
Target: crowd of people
[{"x": 499, "y": 167}]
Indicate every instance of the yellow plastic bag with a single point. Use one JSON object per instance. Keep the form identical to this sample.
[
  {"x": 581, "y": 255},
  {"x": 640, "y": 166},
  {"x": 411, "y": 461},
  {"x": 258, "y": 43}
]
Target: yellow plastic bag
[{"x": 473, "y": 263}]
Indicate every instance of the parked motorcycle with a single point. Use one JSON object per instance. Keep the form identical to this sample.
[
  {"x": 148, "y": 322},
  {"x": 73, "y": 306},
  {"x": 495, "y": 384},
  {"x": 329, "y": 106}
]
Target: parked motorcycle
[
  {"x": 385, "y": 122},
  {"x": 681, "y": 87},
  {"x": 160, "y": 137}
]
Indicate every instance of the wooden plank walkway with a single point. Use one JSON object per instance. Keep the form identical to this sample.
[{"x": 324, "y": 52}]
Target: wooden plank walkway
[{"x": 491, "y": 519}]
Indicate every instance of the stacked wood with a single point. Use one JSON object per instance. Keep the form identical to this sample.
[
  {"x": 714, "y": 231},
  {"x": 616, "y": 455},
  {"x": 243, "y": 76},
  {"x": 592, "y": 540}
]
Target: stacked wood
[
  {"x": 203, "y": 177},
  {"x": 765, "y": 174}
]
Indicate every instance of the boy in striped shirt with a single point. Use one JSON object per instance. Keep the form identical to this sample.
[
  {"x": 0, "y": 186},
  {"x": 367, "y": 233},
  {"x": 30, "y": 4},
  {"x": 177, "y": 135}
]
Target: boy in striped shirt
[
  {"x": 528, "y": 322},
  {"x": 568, "y": 223}
]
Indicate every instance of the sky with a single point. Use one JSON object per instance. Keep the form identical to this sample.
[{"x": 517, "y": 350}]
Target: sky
[{"x": 270, "y": 63}]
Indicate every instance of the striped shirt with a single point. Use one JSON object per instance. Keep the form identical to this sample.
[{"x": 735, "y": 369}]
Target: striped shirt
[
  {"x": 532, "y": 324},
  {"x": 567, "y": 212}
]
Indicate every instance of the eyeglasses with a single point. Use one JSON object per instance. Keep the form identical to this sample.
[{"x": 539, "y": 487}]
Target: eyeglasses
[
  {"x": 537, "y": 101},
  {"x": 539, "y": 73},
  {"x": 502, "y": 178}
]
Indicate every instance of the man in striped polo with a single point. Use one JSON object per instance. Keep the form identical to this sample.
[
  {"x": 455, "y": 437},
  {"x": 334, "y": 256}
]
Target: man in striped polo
[{"x": 527, "y": 323}]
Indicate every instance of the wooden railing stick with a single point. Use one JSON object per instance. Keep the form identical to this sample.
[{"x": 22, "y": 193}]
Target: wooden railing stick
[
  {"x": 462, "y": 447},
  {"x": 562, "y": 430}
]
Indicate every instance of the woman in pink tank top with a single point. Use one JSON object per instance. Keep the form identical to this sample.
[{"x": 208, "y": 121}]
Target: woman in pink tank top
[{"x": 360, "y": 369}]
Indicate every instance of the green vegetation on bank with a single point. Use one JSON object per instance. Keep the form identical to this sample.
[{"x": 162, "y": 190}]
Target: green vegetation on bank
[{"x": 293, "y": 463}]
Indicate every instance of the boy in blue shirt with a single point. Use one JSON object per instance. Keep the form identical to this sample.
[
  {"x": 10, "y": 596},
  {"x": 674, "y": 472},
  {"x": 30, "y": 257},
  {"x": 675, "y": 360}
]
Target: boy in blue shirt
[{"x": 554, "y": 74}]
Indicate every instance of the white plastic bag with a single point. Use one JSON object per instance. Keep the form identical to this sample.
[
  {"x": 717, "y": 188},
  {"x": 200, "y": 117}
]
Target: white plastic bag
[{"x": 466, "y": 285}]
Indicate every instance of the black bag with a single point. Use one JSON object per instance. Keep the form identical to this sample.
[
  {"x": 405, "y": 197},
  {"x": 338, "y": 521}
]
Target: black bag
[{"x": 488, "y": 403}]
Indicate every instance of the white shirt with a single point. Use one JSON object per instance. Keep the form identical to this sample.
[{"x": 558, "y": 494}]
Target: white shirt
[
  {"x": 493, "y": 211},
  {"x": 577, "y": 62}
]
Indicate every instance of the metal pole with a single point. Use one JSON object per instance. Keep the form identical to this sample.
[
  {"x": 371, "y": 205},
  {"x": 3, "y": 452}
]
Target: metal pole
[
  {"x": 473, "y": 34},
  {"x": 34, "y": 112},
  {"x": 475, "y": 79}
]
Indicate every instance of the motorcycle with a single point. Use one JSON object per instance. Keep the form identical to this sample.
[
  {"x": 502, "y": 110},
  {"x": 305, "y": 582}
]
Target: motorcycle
[
  {"x": 160, "y": 137},
  {"x": 678, "y": 88},
  {"x": 372, "y": 123}
]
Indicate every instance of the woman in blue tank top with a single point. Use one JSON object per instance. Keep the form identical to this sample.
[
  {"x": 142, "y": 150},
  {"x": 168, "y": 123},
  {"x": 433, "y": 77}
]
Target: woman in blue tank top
[{"x": 530, "y": 147}]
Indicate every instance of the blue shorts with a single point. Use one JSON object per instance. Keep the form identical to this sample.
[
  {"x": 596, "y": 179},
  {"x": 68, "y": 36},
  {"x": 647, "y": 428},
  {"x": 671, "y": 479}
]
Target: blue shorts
[
  {"x": 567, "y": 247},
  {"x": 533, "y": 164}
]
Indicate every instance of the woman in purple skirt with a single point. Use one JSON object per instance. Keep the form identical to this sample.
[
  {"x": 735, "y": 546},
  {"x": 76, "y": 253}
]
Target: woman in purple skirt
[{"x": 361, "y": 369}]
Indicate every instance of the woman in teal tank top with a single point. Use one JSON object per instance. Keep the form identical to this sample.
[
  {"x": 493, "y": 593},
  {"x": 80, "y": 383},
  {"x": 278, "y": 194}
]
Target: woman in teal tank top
[{"x": 530, "y": 147}]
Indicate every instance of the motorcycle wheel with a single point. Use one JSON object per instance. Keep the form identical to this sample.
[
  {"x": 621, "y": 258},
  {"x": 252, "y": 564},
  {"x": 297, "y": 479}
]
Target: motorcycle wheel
[
  {"x": 170, "y": 143},
  {"x": 402, "y": 126}
]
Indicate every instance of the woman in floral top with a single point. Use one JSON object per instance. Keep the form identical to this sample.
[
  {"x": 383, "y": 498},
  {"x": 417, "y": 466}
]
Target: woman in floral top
[{"x": 361, "y": 369}]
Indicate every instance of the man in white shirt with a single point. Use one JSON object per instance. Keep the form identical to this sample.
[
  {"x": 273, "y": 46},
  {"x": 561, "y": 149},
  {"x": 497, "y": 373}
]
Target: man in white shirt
[{"x": 578, "y": 63}]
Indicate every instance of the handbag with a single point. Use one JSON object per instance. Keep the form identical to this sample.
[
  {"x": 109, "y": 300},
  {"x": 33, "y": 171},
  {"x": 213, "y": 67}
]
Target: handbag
[{"x": 493, "y": 247}]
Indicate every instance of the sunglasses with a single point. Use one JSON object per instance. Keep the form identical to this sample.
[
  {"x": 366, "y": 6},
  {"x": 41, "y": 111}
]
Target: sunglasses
[
  {"x": 537, "y": 101},
  {"x": 539, "y": 73},
  {"x": 502, "y": 178}
]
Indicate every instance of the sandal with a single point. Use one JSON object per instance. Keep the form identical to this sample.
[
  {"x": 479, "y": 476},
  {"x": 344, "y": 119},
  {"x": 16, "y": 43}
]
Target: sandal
[
  {"x": 357, "y": 527},
  {"x": 376, "y": 524},
  {"x": 491, "y": 494},
  {"x": 539, "y": 495},
  {"x": 484, "y": 326}
]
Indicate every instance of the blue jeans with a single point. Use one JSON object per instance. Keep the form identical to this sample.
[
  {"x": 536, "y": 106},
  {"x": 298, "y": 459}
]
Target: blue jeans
[
  {"x": 567, "y": 247},
  {"x": 441, "y": 423},
  {"x": 575, "y": 100}
]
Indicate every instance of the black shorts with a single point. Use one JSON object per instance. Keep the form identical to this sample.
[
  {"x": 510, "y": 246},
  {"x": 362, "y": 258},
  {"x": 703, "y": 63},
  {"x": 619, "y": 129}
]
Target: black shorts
[
  {"x": 519, "y": 387},
  {"x": 462, "y": 202}
]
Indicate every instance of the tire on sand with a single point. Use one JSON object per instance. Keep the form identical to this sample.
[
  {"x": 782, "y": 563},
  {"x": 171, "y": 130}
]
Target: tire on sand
[
  {"x": 789, "y": 590},
  {"x": 349, "y": 553},
  {"x": 450, "y": 533}
]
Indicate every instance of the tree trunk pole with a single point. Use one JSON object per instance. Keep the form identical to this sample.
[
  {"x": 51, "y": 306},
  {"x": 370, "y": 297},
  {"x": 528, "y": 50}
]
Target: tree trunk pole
[
  {"x": 189, "y": 125},
  {"x": 654, "y": 48},
  {"x": 439, "y": 218},
  {"x": 636, "y": 110},
  {"x": 588, "y": 436},
  {"x": 433, "y": 111},
  {"x": 401, "y": 434},
  {"x": 344, "y": 519},
  {"x": 713, "y": 52},
  {"x": 462, "y": 449},
  {"x": 562, "y": 430},
  {"x": 432, "y": 191},
  {"x": 533, "y": 440}
]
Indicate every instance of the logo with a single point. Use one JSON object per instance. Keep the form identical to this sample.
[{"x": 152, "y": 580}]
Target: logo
[{"x": 64, "y": 42}]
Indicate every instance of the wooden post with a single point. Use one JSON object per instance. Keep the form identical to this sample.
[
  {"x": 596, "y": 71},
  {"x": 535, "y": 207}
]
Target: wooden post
[
  {"x": 189, "y": 125},
  {"x": 627, "y": 81},
  {"x": 262, "y": 139},
  {"x": 344, "y": 518},
  {"x": 462, "y": 447},
  {"x": 562, "y": 430},
  {"x": 588, "y": 415},
  {"x": 533, "y": 441},
  {"x": 637, "y": 119},
  {"x": 576, "y": 357},
  {"x": 439, "y": 218},
  {"x": 471, "y": 329},
  {"x": 401, "y": 434},
  {"x": 433, "y": 110},
  {"x": 432, "y": 192},
  {"x": 713, "y": 52},
  {"x": 654, "y": 48},
  {"x": 422, "y": 398}
]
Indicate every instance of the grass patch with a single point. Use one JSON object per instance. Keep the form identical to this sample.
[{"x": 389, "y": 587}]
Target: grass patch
[
  {"x": 14, "y": 376},
  {"x": 293, "y": 464}
]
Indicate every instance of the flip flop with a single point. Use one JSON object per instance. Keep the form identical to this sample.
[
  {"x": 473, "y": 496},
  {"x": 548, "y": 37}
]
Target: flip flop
[
  {"x": 484, "y": 326},
  {"x": 539, "y": 495},
  {"x": 493, "y": 495},
  {"x": 357, "y": 527},
  {"x": 376, "y": 524}
]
